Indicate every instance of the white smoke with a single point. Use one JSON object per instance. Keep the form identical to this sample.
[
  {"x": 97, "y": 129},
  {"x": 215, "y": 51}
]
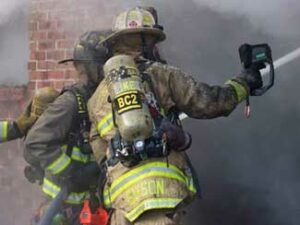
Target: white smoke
[
  {"x": 279, "y": 17},
  {"x": 8, "y": 8}
]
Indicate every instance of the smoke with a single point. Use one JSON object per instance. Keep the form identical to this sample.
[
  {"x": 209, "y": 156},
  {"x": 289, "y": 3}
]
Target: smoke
[
  {"x": 14, "y": 47},
  {"x": 278, "y": 17},
  {"x": 9, "y": 9},
  {"x": 248, "y": 169}
]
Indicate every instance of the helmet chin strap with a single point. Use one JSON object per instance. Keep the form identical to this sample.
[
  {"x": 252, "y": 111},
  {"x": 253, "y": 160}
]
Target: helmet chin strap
[
  {"x": 146, "y": 53},
  {"x": 91, "y": 84}
]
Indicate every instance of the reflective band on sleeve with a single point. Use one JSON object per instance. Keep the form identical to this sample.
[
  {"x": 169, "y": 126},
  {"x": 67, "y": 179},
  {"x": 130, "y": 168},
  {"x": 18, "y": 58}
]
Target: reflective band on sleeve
[
  {"x": 105, "y": 125},
  {"x": 51, "y": 189},
  {"x": 153, "y": 203},
  {"x": 239, "y": 89},
  {"x": 77, "y": 155},
  {"x": 59, "y": 164},
  {"x": 3, "y": 131},
  {"x": 153, "y": 169}
]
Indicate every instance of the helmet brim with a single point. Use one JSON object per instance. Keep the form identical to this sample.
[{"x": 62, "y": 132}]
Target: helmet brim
[
  {"x": 65, "y": 61},
  {"x": 114, "y": 37},
  {"x": 75, "y": 60}
]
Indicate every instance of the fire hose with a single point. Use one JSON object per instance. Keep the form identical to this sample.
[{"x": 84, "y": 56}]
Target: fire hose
[
  {"x": 89, "y": 172},
  {"x": 54, "y": 206}
]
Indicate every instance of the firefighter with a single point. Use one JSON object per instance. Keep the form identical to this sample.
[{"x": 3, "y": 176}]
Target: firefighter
[
  {"x": 11, "y": 130},
  {"x": 58, "y": 142},
  {"x": 149, "y": 177}
]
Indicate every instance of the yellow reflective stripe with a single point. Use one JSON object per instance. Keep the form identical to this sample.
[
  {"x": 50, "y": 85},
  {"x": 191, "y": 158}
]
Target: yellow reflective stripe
[
  {"x": 64, "y": 147},
  {"x": 152, "y": 203},
  {"x": 146, "y": 168},
  {"x": 3, "y": 131},
  {"x": 110, "y": 196},
  {"x": 153, "y": 169},
  {"x": 77, "y": 198},
  {"x": 129, "y": 108},
  {"x": 239, "y": 89},
  {"x": 79, "y": 156},
  {"x": 52, "y": 190},
  {"x": 59, "y": 164},
  {"x": 105, "y": 125},
  {"x": 49, "y": 188}
]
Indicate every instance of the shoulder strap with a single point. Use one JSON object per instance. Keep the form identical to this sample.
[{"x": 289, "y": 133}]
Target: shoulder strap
[{"x": 80, "y": 129}]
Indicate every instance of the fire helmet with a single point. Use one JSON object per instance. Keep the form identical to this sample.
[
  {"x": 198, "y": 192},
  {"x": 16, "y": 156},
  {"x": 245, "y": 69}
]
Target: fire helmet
[
  {"x": 138, "y": 20},
  {"x": 86, "y": 49},
  {"x": 88, "y": 57}
]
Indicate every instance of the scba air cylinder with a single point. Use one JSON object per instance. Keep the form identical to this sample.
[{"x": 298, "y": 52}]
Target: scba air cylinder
[{"x": 128, "y": 99}]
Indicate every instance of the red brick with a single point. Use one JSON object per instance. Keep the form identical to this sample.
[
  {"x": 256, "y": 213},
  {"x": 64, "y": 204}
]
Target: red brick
[
  {"x": 61, "y": 24},
  {"x": 33, "y": 26},
  {"x": 33, "y": 46},
  {"x": 31, "y": 85},
  {"x": 31, "y": 65},
  {"x": 46, "y": 45},
  {"x": 65, "y": 66},
  {"x": 69, "y": 54},
  {"x": 38, "y": 35},
  {"x": 54, "y": 35},
  {"x": 45, "y": 6},
  {"x": 71, "y": 74},
  {"x": 71, "y": 34},
  {"x": 39, "y": 16},
  {"x": 69, "y": 82},
  {"x": 11, "y": 94},
  {"x": 65, "y": 44},
  {"x": 55, "y": 55},
  {"x": 55, "y": 75},
  {"x": 46, "y": 65},
  {"x": 38, "y": 55},
  {"x": 41, "y": 84},
  {"x": 59, "y": 85},
  {"x": 47, "y": 25},
  {"x": 17, "y": 93},
  {"x": 59, "y": 14},
  {"x": 38, "y": 75}
]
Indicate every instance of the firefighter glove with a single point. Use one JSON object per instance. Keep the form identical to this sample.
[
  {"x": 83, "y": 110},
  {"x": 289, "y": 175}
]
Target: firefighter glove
[
  {"x": 34, "y": 174},
  {"x": 25, "y": 121},
  {"x": 177, "y": 138},
  {"x": 252, "y": 78}
]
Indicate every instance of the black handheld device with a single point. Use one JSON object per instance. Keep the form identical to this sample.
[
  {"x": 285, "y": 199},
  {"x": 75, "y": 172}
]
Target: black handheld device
[{"x": 258, "y": 56}]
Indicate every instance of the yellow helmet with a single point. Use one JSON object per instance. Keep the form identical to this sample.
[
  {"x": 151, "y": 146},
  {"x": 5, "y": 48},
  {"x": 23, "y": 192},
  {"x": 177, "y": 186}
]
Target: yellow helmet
[
  {"x": 42, "y": 98},
  {"x": 137, "y": 21}
]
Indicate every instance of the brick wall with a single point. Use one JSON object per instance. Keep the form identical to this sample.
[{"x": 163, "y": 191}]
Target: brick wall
[
  {"x": 54, "y": 27},
  {"x": 50, "y": 41}
]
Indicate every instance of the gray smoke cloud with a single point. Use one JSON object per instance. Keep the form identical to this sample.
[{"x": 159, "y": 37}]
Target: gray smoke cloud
[
  {"x": 14, "y": 47},
  {"x": 248, "y": 169},
  {"x": 278, "y": 17},
  {"x": 10, "y": 8}
]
